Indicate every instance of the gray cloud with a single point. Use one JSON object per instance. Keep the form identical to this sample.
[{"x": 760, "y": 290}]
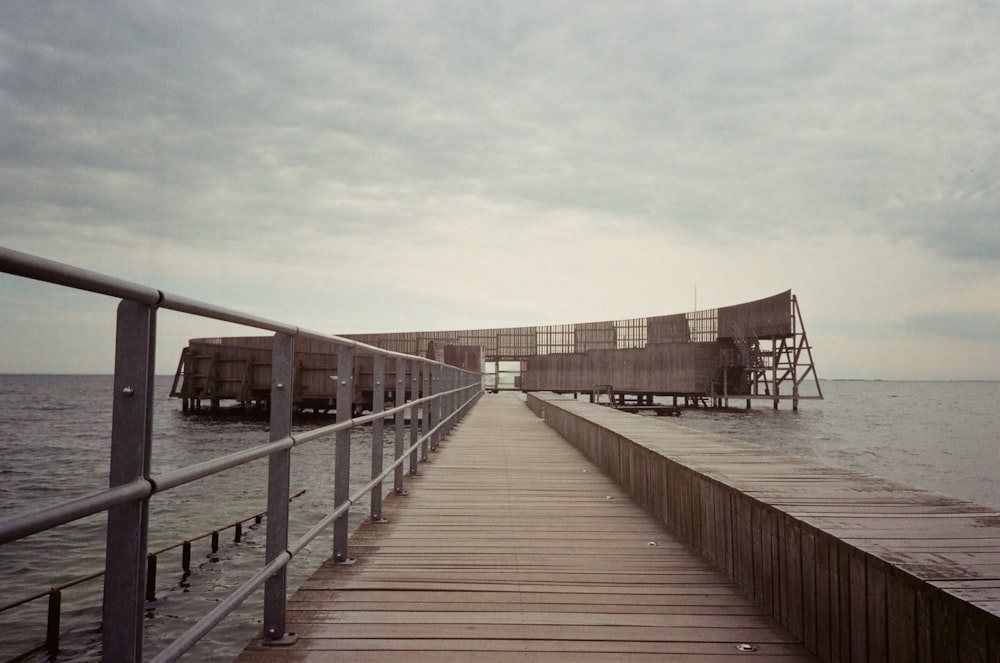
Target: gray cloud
[
  {"x": 297, "y": 132},
  {"x": 966, "y": 325},
  {"x": 681, "y": 117}
]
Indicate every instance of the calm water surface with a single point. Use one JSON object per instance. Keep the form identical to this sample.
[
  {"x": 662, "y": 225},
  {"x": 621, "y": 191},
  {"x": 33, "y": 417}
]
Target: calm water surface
[
  {"x": 942, "y": 436},
  {"x": 54, "y": 444},
  {"x": 54, "y": 439}
]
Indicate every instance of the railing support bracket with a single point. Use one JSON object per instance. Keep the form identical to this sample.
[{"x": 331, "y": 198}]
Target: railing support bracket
[{"x": 285, "y": 640}]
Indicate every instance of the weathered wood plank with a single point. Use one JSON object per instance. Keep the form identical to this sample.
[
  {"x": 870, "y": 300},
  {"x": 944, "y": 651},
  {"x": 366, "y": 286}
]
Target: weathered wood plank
[
  {"x": 528, "y": 651},
  {"x": 509, "y": 545},
  {"x": 834, "y": 552}
]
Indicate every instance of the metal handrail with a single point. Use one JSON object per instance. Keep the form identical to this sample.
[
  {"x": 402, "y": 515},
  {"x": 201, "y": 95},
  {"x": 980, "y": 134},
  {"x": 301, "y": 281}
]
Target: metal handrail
[
  {"x": 54, "y": 594},
  {"x": 445, "y": 394},
  {"x": 32, "y": 522},
  {"x": 197, "y": 631},
  {"x": 57, "y": 273}
]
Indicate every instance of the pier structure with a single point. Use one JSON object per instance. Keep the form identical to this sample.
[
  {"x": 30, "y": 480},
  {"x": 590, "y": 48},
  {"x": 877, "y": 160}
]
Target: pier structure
[
  {"x": 555, "y": 530},
  {"x": 513, "y": 546},
  {"x": 757, "y": 350},
  {"x": 211, "y": 371},
  {"x": 856, "y": 567},
  {"x": 507, "y": 542},
  {"x": 438, "y": 397}
]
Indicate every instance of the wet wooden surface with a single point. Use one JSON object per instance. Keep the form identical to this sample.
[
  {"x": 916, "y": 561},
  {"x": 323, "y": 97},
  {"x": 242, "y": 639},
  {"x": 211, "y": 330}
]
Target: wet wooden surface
[{"x": 511, "y": 546}]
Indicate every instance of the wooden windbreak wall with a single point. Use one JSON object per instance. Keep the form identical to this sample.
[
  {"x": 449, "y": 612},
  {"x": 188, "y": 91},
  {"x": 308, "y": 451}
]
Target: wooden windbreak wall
[
  {"x": 662, "y": 369},
  {"x": 770, "y": 318},
  {"x": 767, "y": 318},
  {"x": 239, "y": 369},
  {"x": 848, "y": 596}
]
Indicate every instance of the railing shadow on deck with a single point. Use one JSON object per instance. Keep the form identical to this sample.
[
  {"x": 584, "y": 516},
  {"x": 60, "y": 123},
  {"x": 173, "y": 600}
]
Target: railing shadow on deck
[{"x": 444, "y": 393}]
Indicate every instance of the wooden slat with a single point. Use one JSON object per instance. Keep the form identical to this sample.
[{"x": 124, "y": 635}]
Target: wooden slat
[
  {"x": 859, "y": 567},
  {"x": 511, "y": 546}
]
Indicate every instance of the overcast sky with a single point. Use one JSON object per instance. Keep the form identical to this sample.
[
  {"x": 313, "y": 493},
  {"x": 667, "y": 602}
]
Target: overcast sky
[{"x": 391, "y": 166}]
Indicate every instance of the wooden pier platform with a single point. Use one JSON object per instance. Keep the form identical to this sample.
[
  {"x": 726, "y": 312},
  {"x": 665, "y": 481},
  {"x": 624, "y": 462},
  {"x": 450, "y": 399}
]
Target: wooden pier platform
[{"x": 512, "y": 546}]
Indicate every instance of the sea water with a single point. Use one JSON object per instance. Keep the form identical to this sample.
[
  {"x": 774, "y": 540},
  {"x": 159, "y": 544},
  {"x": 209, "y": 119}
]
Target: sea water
[
  {"x": 942, "y": 436},
  {"x": 54, "y": 445}
]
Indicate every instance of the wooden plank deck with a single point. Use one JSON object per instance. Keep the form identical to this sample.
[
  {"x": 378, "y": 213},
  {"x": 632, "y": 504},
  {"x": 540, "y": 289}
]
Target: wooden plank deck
[
  {"x": 512, "y": 546},
  {"x": 858, "y": 567}
]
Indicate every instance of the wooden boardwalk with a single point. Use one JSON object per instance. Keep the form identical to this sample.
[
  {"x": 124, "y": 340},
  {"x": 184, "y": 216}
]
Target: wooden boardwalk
[{"x": 512, "y": 546}]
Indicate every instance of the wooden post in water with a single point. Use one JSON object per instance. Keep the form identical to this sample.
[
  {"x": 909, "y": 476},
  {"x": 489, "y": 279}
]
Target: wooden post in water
[{"x": 54, "y": 623}]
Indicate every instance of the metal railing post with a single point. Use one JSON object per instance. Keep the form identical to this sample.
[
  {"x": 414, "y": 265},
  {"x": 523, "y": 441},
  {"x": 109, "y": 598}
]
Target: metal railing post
[
  {"x": 397, "y": 479},
  {"x": 453, "y": 383},
  {"x": 446, "y": 403},
  {"x": 437, "y": 388},
  {"x": 461, "y": 382},
  {"x": 416, "y": 367},
  {"x": 278, "y": 480},
  {"x": 378, "y": 405},
  {"x": 131, "y": 443},
  {"x": 342, "y": 453},
  {"x": 428, "y": 408},
  {"x": 451, "y": 404},
  {"x": 442, "y": 372}
]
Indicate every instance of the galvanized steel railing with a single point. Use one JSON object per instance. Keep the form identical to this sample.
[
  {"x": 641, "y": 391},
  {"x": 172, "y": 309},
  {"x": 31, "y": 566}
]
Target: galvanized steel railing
[
  {"x": 54, "y": 595},
  {"x": 444, "y": 393}
]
